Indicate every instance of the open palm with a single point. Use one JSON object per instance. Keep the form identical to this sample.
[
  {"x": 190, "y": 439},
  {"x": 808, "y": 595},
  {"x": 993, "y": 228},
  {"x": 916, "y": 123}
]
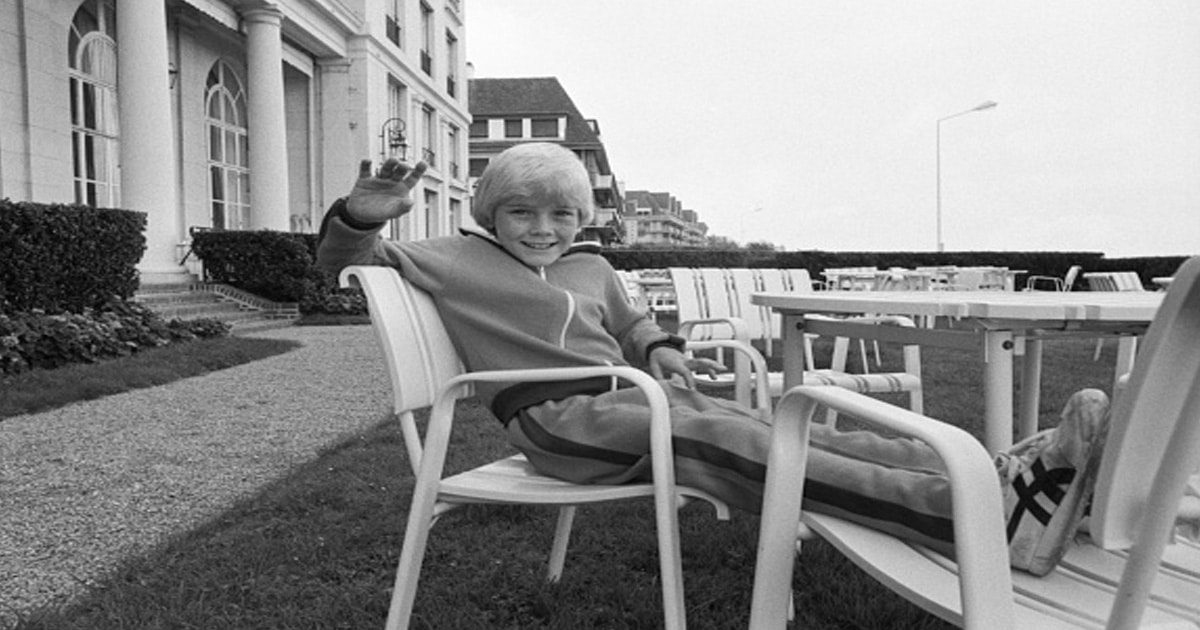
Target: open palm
[{"x": 386, "y": 194}]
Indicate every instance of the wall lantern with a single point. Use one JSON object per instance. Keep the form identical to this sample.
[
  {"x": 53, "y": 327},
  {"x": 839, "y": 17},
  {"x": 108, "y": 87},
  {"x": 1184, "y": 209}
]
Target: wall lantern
[{"x": 392, "y": 140}]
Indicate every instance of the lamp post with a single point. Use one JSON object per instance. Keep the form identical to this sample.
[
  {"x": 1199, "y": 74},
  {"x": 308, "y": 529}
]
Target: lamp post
[{"x": 941, "y": 246}]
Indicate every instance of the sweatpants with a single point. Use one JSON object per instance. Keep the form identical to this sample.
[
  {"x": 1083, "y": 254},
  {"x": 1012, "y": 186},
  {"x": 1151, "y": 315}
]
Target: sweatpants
[{"x": 896, "y": 485}]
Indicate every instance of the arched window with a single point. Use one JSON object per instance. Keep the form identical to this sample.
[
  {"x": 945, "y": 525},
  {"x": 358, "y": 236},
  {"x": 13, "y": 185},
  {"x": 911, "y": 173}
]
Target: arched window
[
  {"x": 92, "y": 55},
  {"x": 228, "y": 161}
]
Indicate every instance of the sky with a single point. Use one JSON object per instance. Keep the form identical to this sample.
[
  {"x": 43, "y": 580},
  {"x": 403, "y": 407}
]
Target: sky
[{"x": 814, "y": 124}]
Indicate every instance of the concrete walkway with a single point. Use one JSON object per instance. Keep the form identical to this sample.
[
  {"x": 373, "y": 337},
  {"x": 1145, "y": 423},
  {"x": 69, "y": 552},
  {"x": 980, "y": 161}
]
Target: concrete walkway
[{"x": 87, "y": 485}]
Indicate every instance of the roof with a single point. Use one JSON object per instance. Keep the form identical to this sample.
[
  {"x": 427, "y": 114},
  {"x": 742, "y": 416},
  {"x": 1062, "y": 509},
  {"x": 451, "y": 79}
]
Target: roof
[
  {"x": 657, "y": 202},
  {"x": 528, "y": 97}
]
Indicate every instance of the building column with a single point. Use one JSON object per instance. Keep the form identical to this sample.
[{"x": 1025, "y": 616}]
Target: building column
[
  {"x": 267, "y": 120},
  {"x": 147, "y": 149}
]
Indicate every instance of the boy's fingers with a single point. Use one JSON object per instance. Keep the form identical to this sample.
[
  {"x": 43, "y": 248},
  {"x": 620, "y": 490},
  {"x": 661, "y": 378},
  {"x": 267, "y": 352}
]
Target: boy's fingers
[
  {"x": 364, "y": 169},
  {"x": 391, "y": 169},
  {"x": 415, "y": 175}
]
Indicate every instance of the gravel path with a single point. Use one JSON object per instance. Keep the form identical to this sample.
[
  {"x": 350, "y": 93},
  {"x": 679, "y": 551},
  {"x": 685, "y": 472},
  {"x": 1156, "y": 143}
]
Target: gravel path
[{"x": 84, "y": 486}]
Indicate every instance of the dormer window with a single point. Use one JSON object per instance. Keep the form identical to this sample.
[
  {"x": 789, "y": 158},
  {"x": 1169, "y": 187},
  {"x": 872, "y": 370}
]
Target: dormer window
[{"x": 544, "y": 128}]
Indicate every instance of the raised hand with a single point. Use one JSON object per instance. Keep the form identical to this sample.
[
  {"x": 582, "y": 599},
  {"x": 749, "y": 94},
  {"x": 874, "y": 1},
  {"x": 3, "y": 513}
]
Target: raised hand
[{"x": 386, "y": 194}]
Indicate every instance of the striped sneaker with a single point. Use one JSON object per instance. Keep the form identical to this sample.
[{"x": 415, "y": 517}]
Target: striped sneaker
[{"x": 1048, "y": 479}]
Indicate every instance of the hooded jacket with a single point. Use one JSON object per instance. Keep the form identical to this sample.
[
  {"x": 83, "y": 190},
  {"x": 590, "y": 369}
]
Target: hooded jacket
[{"x": 502, "y": 314}]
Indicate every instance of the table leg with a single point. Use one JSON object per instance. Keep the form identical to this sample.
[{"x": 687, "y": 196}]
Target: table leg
[
  {"x": 998, "y": 390},
  {"x": 792, "y": 343},
  {"x": 1126, "y": 351},
  {"x": 1031, "y": 388}
]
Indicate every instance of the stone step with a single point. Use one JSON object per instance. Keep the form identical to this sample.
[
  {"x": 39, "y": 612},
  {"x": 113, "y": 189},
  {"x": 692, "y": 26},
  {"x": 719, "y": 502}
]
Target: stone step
[
  {"x": 159, "y": 299},
  {"x": 243, "y": 311},
  {"x": 196, "y": 310}
]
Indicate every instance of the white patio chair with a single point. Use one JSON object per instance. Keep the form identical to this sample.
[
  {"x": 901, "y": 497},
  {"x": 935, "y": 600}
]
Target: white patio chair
[
  {"x": 425, "y": 372},
  {"x": 1116, "y": 281},
  {"x": 715, "y": 304},
  {"x": 1053, "y": 283},
  {"x": 1129, "y": 572}
]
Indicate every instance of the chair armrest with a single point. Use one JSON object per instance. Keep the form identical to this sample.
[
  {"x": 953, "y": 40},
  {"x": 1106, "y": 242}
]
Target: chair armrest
[
  {"x": 738, "y": 328},
  {"x": 441, "y": 417},
  {"x": 748, "y": 364},
  {"x": 980, "y": 543},
  {"x": 1031, "y": 283}
]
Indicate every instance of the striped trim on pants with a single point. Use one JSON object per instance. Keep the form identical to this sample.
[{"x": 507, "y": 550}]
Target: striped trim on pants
[{"x": 893, "y": 484}]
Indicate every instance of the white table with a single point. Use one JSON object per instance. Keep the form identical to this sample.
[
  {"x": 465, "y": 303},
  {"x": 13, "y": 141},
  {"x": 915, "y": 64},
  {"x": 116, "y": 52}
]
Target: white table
[{"x": 996, "y": 324}]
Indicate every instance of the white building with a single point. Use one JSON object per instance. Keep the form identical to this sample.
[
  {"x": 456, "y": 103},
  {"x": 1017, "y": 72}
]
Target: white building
[{"x": 230, "y": 114}]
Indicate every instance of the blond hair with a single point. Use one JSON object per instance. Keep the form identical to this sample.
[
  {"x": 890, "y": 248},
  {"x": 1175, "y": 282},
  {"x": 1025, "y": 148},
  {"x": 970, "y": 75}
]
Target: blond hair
[{"x": 531, "y": 169}]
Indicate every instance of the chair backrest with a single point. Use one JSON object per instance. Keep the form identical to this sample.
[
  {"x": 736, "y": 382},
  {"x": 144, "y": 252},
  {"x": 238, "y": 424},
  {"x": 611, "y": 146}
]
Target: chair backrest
[
  {"x": 744, "y": 282},
  {"x": 416, "y": 346},
  {"x": 1071, "y": 276},
  {"x": 1114, "y": 281},
  {"x": 718, "y": 294},
  {"x": 689, "y": 294},
  {"x": 633, "y": 291},
  {"x": 794, "y": 278},
  {"x": 1153, "y": 446},
  {"x": 764, "y": 323},
  {"x": 1155, "y": 427},
  {"x": 1128, "y": 281}
]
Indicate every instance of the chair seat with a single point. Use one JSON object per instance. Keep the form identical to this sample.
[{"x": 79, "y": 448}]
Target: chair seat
[
  {"x": 1079, "y": 593},
  {"x": 514, "y": 480}
]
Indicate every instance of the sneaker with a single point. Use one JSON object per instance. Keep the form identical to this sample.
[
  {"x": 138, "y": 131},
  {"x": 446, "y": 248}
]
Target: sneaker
[{"x": 1048, "y": 479}]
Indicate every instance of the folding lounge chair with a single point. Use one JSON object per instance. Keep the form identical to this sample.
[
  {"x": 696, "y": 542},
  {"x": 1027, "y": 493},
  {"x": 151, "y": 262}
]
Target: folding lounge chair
[
  {"x": 425, "y": 372},
  {"x": 1128, "y": 572}
]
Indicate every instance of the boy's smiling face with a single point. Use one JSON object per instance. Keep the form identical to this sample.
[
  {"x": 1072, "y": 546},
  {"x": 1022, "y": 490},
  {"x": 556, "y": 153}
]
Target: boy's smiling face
[{"x": 537, "y": 230}]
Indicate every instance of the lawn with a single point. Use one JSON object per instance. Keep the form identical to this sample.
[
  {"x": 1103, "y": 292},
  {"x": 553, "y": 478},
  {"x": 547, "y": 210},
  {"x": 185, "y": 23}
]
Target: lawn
[{"x": 318, "y": 549}]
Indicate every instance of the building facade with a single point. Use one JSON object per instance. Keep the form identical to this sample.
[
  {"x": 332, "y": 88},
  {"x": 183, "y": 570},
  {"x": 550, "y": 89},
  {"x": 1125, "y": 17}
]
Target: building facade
[
  {"x": 658, "y": 218},
  {"x": 231, "y": 114},
  {"x": 506, "y": 112}
]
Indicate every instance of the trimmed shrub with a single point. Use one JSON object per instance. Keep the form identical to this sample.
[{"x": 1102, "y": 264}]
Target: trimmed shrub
[
  {"x": 40, "y": 340},
  {"x": 279, "y": 266},
  {"x": 67, "y": 258},
  {"x": 275, "y": 265}
]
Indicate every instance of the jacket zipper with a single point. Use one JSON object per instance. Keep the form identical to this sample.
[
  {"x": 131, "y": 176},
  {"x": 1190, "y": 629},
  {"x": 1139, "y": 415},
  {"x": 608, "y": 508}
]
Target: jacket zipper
[{"x": 562, "y": 333}]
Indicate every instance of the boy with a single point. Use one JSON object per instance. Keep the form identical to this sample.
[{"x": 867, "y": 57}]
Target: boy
[{"x": 524, "y": 295}]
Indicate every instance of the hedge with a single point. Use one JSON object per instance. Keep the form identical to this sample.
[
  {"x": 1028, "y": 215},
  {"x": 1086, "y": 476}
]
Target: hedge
[{"x": 67, "y": 258}]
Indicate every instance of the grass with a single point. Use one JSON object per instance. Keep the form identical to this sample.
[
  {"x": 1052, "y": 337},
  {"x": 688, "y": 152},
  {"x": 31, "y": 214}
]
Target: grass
[{"x": 318, "y": 549}]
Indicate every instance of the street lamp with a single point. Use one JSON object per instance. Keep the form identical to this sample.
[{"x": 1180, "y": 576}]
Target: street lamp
[
  {"x": 392, "y": 140},
  {"x": 978, "y": 108}
]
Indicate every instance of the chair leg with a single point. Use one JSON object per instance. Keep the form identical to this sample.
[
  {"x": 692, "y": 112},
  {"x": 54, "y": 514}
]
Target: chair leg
[
  {"x": 912, "y": 365},
  {"x": 408, "y": 568},
  {"x": 562, "y": 538},
  {"x": 1126, "y": 353}
]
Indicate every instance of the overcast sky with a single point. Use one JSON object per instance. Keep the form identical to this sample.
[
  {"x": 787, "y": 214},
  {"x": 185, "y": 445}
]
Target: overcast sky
[{"x": 812, "y": 124}]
